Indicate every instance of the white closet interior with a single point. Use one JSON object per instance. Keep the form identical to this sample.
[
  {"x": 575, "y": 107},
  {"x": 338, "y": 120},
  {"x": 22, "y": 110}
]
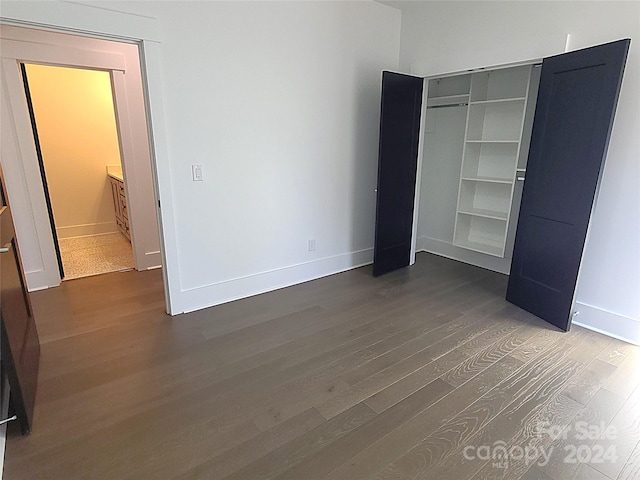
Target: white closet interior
[{"x": 476, "y": 138}]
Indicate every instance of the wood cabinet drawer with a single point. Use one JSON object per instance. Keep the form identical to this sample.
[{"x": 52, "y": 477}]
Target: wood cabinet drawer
[{"x": 120, "y": 207}]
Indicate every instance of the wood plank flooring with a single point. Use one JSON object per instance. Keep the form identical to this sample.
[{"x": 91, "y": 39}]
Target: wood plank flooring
[{"x": 424, "y": 373}]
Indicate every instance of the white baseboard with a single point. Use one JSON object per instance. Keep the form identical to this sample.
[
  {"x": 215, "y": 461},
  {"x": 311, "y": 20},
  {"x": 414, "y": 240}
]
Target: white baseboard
[
  {"x": 237, "y": 288},
  {"x": 447, "y": 250},
  {"x": 87, "y": 229},
  {"x": 608, "y": 323},
  {"x": 149, "y": 261},
  {"x": 39, "y": 280}
]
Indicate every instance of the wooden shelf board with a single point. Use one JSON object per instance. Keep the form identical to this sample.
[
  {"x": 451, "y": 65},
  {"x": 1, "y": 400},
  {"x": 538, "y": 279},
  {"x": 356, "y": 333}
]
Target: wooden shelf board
[
  {"x": 446, "y": 99},
  {"x": 498, "y": 100},
  {"x": 493, "y": 141},
  {"x": 488, "y": 180},
  {"x": 480, "y": 212},
  {"x": 480, "y": 247}
]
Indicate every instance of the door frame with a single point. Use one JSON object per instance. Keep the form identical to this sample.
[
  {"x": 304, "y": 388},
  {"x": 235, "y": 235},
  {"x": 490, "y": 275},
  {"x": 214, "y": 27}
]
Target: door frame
[
  {"x": 15, "y": 109},
  {"x": 16, "y": 53}
]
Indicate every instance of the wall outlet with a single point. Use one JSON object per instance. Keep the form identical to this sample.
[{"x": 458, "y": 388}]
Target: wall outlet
[
  {"x": 196, "y": 172},
  {"x": 312, "y": 245}
]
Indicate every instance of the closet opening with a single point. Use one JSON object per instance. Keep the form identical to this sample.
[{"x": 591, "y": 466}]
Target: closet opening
[
  {"x": 506, "y": 166},
  {"x": 477, "y": 131}
]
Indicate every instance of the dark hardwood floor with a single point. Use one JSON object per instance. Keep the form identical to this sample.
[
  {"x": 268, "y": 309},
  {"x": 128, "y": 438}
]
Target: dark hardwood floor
[{"x": 424, "y": 373}]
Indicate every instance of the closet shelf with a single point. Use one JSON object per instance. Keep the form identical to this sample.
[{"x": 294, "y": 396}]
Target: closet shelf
[
  {"x": 497, "y": 100},
  {"x": 447, "y": 99},
  {"x": 515, "y": 142},
  {"x": 481, "y": 212},
  {"x": 505, "y": 181},
  {"x": 479, "y": 247}
]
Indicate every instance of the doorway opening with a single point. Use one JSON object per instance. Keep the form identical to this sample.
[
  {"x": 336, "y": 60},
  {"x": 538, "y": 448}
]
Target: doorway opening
[
  {"x": 74, "y": 128},
  {"x": 36, "y": 215}
]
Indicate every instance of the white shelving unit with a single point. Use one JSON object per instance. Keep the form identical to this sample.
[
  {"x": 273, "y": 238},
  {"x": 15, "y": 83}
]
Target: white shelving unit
[{"x": 493, "y": 136}]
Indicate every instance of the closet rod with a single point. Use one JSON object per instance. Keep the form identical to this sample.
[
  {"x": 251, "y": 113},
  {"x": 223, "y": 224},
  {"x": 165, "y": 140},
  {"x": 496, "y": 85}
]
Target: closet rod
[{"x": 448, "y": 105}]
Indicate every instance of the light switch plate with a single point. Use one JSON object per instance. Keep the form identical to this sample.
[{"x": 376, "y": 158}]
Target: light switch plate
[{"x": 196, "y": 171}]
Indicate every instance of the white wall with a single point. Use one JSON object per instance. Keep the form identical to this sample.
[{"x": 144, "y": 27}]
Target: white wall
[
  {"x": 281, "y": 108},
  {"x": 279, "y": 102},
  {"x": 439, "y": 37}
]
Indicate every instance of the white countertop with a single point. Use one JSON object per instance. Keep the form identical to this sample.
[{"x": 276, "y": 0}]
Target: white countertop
[{"x": 115, "y": 171}]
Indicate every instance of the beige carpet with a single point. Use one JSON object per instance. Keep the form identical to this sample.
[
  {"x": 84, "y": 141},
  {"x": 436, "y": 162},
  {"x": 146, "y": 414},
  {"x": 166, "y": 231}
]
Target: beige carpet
[{"x": 96, "y": 254}]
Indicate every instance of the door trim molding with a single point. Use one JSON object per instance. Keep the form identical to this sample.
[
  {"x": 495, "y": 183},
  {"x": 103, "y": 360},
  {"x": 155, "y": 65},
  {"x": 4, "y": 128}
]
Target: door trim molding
[
  {"x": 81, "y": 19},
  {"x": 89, "y": 23},
  {"x": 73, "y": 57},
  {"x": 87, "y": 56}
]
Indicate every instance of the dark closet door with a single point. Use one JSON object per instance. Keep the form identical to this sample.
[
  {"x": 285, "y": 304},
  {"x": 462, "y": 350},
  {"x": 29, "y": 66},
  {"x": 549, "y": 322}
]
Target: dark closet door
[
  {"x": 20, "y": 346},
  {"x": 397, "y": 165},
  {"x": 574, "y": 115}
]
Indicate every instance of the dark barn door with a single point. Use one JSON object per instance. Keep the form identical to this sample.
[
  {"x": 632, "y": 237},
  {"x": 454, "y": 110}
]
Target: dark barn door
[
  {"x": 397, "y": 165},
  {"x": 574, "y": 115}
]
